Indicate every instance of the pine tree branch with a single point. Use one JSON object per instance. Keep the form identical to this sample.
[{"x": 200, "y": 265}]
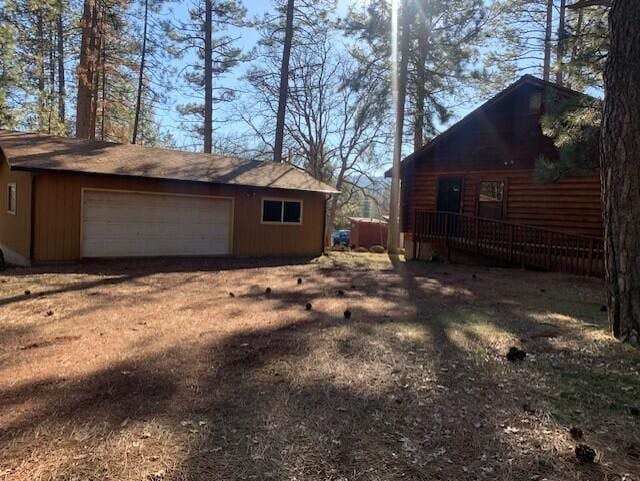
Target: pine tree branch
[{"x": 589, "y": 3}]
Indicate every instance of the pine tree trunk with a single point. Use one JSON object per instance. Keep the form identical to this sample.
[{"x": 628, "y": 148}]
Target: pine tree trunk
[
  {"x": 52, "y": 74},
  {"x": 546, "y": 70},
  {"x": 208, "y": 77},
  {"x": 620, "y": 164},
  {"x": 284, "y": 84},
  {"x": 103, "y": 85},
  {"x": 136, "y": 122},
  {"x": 99, "y": 71},
  {"x": 88, "y": 70},
  {"x": 40, "y": 62},
  {"x": 399, "y": 93},
  {"x": 577, "y": 33},
  {"x": 561, "y": 42},
  {"x": 421, "y": 79},
  {"x": 60, "y": 59},
  {"x": 85, "y": 70}
]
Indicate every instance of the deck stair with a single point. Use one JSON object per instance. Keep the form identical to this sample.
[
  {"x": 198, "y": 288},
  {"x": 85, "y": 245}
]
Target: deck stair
[{"x": 519, "y": 244}]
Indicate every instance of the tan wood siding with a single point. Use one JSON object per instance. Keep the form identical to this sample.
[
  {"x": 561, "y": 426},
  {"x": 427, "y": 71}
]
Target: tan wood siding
[
  {"x": 571, "y": 205},
  {"x": 15, "y": 230},
  {"x": 58, "y": 215}
]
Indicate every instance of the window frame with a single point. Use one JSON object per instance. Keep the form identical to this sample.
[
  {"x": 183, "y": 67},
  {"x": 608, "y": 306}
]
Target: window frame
[
  {"x": 505, "y": 193},
  {"x": 501, "y": 201},
  {"x": 12, "y": 198},
  {"x": 282, "y": 200}
]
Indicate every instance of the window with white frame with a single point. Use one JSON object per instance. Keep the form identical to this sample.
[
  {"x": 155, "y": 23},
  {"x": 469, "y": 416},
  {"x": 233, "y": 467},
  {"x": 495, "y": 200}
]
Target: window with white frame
[
  {"x": 281, "y": 211},
  {"x": 11, "y": 198}
]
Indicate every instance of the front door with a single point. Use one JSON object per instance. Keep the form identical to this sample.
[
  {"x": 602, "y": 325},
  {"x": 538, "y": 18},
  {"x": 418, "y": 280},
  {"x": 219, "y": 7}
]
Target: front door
[{"x": 449, "y": 194}]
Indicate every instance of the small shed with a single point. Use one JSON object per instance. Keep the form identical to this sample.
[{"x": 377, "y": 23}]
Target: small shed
[
  {"x": 67, "y": 199},
  {"x": 368, "y": 232}
]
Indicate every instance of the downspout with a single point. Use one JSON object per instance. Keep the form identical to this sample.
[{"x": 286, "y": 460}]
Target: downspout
[
  {"x": 324, "y": 224},
  {"x": 33, "y": 219}
]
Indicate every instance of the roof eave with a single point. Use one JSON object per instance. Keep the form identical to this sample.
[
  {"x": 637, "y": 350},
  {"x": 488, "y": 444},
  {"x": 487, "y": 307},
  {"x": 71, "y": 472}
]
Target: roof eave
[{"x": 27, "y": 168}]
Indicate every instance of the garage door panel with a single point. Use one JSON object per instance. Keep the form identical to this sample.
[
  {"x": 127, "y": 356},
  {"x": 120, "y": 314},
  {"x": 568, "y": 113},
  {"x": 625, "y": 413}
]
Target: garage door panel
[
  {"x": 121, "y": 224},
  {"x": 119, "y": 248}
]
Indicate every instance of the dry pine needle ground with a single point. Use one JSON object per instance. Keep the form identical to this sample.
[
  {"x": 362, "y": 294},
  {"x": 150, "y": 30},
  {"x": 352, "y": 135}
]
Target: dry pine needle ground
[{"x": 151, "y": 370}]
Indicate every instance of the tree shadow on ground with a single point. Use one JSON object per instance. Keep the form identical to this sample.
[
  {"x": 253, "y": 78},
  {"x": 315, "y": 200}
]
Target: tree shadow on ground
[
  {"x": 384, "y": 395},
  {"x": 576, "y": 376},
  {"x": 157, "y": 265},
  {"x": 126, "y": 390},
  {"x": 429, "y": 413}
]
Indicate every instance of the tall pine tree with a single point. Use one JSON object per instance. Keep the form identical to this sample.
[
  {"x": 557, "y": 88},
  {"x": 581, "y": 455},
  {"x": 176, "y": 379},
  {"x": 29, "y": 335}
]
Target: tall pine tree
[
  {"x": 207, "y": 42},
  {"x": 33, "y": 51},
  {"x": 443, "y": 50}
]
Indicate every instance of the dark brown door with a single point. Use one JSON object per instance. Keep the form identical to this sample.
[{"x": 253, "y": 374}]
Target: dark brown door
[{"x": 449, "y": 194}]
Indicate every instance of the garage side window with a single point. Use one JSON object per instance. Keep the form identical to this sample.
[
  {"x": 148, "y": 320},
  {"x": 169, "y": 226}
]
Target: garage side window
[
  {"x": 11, "y": 198},
  {"x": 280, "y": 211}
]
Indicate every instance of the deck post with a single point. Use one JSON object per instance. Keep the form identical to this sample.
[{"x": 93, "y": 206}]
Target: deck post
[
  {"x": 590, "y": 267},
  {"x": 415, "y": 234},
  {"x": 477, "y": 234},
  {"x": 510, "y": 242},
  {"x": 549, "y": 250},
  {"x": 446, "y": 235}
]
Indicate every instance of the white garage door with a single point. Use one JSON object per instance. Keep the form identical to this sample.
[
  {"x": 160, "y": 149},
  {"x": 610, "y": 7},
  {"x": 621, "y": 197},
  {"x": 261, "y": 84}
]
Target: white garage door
[{"x": 128, "y": 224}]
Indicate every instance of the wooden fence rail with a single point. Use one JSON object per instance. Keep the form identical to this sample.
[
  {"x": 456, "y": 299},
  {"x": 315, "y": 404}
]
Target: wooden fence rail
[{"x": 521, "y": 244}]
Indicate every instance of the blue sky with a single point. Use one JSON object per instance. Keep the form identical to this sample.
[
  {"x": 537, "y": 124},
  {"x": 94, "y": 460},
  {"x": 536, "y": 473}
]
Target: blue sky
[{"x": 247, "y": 39}]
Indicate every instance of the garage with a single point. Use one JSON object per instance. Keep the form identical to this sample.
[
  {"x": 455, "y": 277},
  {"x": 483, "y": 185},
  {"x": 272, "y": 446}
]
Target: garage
[
  {"x": 134, "y": 224},
  {"x": 66, "y": 199}
]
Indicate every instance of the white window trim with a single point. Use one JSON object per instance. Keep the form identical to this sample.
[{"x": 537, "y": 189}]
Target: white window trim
[
  {"x": 10, "y": 186},
  {"x": 283, "y": 200}
]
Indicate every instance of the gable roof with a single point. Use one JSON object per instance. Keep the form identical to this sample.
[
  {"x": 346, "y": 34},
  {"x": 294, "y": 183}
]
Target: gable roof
[
  {"x": 39, "y": 152},
  {"x": 522, "y": 81}
]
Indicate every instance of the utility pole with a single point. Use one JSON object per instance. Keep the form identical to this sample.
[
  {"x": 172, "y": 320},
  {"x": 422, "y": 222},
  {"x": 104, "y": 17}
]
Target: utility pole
[{"x": 399, "y": 94}]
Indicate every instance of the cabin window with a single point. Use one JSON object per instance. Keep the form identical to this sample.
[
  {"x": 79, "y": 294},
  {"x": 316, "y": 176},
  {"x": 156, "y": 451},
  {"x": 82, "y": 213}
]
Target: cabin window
[
  {"x": 11, "y": 198},
  {"x": 490, "y": 199},
  {"x": 491, "y": 191},
  {"x": 281, "y": 211},
  {"x": 535, "y": 102}
]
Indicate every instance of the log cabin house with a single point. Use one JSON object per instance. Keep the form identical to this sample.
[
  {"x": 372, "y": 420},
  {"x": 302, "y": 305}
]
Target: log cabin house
[{"x": 472, "y": 189}]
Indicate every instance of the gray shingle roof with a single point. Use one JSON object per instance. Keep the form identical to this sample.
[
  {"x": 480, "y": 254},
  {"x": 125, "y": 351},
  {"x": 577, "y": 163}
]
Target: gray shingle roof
[{"x": 40, "y": 152}]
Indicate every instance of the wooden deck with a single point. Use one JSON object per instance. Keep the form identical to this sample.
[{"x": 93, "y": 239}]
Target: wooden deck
[{"x": 517, "y": 243}]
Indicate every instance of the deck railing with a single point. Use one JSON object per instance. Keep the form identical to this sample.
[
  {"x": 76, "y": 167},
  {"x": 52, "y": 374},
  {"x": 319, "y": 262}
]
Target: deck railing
[{"x": 517, "y": 243}]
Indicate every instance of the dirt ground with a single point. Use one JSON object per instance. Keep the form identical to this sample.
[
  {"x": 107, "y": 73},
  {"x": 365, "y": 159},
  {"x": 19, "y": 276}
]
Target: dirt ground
[{"x": 153, "y": 370}]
